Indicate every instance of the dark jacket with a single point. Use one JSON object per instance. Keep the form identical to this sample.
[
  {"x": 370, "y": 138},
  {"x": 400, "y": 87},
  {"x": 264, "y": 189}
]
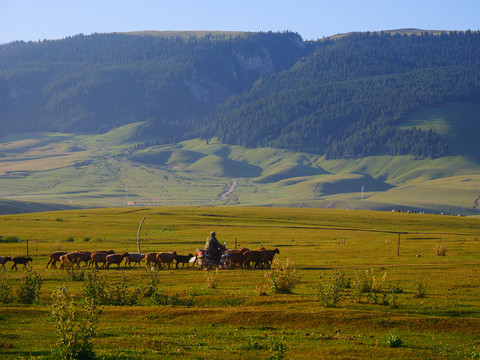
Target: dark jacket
[{"x": 212, "y": 244}]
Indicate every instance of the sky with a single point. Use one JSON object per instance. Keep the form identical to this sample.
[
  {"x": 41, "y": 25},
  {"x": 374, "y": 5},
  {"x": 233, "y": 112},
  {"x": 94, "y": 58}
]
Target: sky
[{"x": 33, "y": 20}]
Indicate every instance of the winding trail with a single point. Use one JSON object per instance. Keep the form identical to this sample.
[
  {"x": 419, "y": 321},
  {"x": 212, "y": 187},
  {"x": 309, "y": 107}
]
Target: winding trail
[{"x": 224, "y": 196}]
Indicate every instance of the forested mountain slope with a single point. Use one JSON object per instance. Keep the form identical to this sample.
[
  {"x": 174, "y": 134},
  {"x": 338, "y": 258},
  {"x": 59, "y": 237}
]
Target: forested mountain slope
[
  {"x": 348, "y": 98},
  {"x": 340, "y": 97},
  {"x": 97, "y": 82}
]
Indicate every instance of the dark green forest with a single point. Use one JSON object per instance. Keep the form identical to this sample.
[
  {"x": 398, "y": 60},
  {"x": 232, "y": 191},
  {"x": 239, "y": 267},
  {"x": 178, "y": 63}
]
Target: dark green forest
[{"x": 339, "y": 97}]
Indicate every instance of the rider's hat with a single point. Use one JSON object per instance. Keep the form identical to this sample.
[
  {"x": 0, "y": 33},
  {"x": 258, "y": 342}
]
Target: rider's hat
[{"x": 212, "y": 233}]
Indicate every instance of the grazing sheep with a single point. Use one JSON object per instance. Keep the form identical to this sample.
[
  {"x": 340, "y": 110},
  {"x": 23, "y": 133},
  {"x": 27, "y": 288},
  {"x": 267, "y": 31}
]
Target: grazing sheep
[
  {"x": 151, "y": 259},
  {"x": 85, "y": 256},
  {"x": 237, "y": 257},
  {"x": 183, "y": 259},
  {"x": 267, "y": 256},
  {"x": 4, "y": 259},
  {"x": 114, "y": 259},
  {"x": 54, "y": 257},
  {"x": 99, "y": 257},
  {"x": 76, "y": 257},
  {"x": 166, "y": 259},
  {"x": 136, "y": 258},
  {"x": 253, "y": 256},
  {"x": 64, "y": 264},
  {"x": 21, "y": 260}
]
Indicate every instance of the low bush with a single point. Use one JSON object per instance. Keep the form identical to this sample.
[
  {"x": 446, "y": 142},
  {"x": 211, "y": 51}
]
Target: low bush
[
  {"x": 122, "y": 295},
  {"x": 29, "y": 290},
  {"x": 159, "y": 298},
  {"x": 440, "y": 249},
  {"x": 75, "y": 274},
  {"x": 283, "y": 277},
  {"x": 94, "y": 287},
  {"x": 330, "y": 287},
  {"x": 366, "y": 282},
  {"x": 276, "y": 346},
  {"x": 393, "y": 340},
  {"x": 153, "y": 279},
  {"x": 419, "y": 287},
  {"x": 75, "y": 329},
  {"x": 6, "y": 290},
  {"x": 9, "y": 239}
]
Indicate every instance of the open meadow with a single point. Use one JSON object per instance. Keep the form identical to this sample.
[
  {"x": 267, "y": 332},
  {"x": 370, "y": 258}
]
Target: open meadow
[{"x": 369, "y": 285}]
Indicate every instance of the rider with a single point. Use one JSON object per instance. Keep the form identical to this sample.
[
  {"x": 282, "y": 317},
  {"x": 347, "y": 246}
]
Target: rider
[{"x": 216, "y": 249}]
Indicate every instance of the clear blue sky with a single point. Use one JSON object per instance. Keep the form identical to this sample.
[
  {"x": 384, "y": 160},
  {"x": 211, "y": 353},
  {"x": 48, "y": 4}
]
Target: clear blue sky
[{"x": 54, "y": 19}]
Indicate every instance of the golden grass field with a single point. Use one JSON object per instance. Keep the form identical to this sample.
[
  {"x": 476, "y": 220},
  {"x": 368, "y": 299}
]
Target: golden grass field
[{"x": 233, "y": 320}]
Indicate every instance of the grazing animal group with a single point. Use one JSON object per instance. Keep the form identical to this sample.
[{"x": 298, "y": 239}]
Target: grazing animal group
[
  {"x": 243, "y": 259},
  {"x": 259, "y": 259},
  {"x": 19, "y": 260}
]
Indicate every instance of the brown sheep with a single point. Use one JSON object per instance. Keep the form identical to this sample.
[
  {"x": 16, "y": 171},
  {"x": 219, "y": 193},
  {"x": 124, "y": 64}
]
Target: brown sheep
[
  {"x": 54, "y": 257},
  {"x": 4, "y": 259},
  {"x": 75, "y": 258},
  {"x": 100, "y": 257},
  {"x": 237, "y": 257},
  {"x": 183, "y": 259},
  {"x": 21, "y": 260},
  {"x": 166, "y": 259},
  {"x": 267, "y": 256},
  {"x": 63, "y": 262},
  {"x": 151, "y": 259},
  {"x": 136, "y": 258},
  {"x": 114, "y": 259},
  {"x": 254, "y": 256}
]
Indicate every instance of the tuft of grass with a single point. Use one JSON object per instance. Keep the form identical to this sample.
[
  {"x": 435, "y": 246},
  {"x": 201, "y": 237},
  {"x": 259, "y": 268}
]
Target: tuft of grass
[
  {"x": 440, "y": 249},
  {"x": 212, "y": 279}
]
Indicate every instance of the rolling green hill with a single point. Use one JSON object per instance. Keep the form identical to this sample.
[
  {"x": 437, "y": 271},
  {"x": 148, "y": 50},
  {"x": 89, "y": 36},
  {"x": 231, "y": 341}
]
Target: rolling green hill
[{"x": 68, "y": 170}]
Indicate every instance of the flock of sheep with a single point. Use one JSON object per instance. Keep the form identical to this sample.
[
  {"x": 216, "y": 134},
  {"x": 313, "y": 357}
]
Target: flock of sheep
[{"x": 243, "y": 258}]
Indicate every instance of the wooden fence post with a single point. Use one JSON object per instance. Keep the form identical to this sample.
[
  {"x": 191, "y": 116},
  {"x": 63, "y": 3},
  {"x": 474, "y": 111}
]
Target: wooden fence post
[{"x": 138, "y": 235}]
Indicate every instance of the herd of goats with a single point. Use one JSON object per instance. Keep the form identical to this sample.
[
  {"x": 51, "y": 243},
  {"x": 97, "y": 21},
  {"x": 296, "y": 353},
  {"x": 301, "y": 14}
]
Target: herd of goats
[{"x": 243, "y": 258}]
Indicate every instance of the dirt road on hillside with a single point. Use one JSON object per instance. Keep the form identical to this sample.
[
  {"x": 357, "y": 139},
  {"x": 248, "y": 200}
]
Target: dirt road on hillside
[{"x": 224, "y": 196}]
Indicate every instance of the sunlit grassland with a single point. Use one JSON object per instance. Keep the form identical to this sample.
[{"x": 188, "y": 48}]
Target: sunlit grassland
[{"x": 228, "y": 320}]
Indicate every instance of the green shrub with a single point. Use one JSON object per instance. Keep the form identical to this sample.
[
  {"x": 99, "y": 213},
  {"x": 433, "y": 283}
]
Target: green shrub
[
  {"x": 6, "y": 290},
  {"x": 329, "y": 288},
  {"x": 283, "y": 277},
  {"x": 94, "y": 287},
  {"x": 393, "y": 340},
  {"x": 276, "y": 346},
  {"x": 75, "y": 274},
  {"x": 366, "y": 282},
  {"x": 75, "y": 329},
  {"x": 419, "y": 287},
  {"x": 29, "y": 290},
  {"x": 122, "y": 295},
  {"x": 9, "y": 239},
  {"x": 159, "y": 298},
  {"x": 153, "y": 280}
]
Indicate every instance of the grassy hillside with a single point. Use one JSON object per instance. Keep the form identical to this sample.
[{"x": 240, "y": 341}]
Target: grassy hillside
[
  {"x": 111, "y": 170},
  {"x": 246, "y": 324}
]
